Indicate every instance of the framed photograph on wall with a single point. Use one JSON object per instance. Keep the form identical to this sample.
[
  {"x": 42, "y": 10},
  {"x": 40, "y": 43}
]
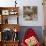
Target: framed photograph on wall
[
  {"x": 30, "y": 13},
  {"x": 5, "y": 12}
]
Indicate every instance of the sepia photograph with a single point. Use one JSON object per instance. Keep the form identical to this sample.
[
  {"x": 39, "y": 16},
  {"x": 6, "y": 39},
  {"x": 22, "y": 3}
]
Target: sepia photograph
[{"x": 30, "y": 13}]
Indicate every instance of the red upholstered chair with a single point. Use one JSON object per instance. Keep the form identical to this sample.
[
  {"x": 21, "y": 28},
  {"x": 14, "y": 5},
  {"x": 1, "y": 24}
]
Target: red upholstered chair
[{"x": 29, "y": 33}]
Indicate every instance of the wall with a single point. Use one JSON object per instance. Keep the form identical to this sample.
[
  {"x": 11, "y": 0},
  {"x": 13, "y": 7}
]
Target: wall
[
  {"x": 22, "y": 3},
  {"x": 37, "y": 3}
]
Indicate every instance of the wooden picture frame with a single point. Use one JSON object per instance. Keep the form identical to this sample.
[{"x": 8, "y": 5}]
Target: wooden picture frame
[{"x": 5, "y": 12}]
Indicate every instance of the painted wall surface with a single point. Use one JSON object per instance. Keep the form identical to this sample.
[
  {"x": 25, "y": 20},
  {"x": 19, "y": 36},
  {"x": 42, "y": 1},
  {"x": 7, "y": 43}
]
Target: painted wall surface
[
  {"x": 37, "y": 3},
  {"x": 21, "y": 3}
]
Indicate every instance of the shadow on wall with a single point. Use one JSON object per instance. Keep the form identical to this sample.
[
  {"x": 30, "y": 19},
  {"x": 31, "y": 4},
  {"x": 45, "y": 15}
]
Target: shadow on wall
[{"x": 37, "y": 29}]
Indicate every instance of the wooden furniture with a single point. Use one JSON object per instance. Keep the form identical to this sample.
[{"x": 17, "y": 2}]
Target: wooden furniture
[
  {"x": 6, "y": 12},
  {"x": 10, "y": 43},
  {"x": 11, "y": 26},
  {"x": 5, "y": 24},
  {"x": 0, "y": 43},
  {"x": 45, "y": 36}
]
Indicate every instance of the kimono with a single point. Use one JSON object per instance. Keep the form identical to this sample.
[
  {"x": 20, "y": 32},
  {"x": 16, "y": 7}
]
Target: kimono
[{"x": 30, "y": 38}]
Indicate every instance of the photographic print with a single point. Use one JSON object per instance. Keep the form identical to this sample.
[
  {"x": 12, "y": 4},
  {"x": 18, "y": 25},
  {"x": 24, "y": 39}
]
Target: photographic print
[
  {"x": 30, "y": 13},
  {"x": 5, "y": 12}
]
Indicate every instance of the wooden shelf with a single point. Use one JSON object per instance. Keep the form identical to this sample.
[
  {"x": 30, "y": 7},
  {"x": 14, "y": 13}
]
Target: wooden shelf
[
  {"x": 4, "y": 13},
  {"x": 8, "y": 11},
  {"x": 9, "y": 43},
  {"x": 11, "y": 26}
]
